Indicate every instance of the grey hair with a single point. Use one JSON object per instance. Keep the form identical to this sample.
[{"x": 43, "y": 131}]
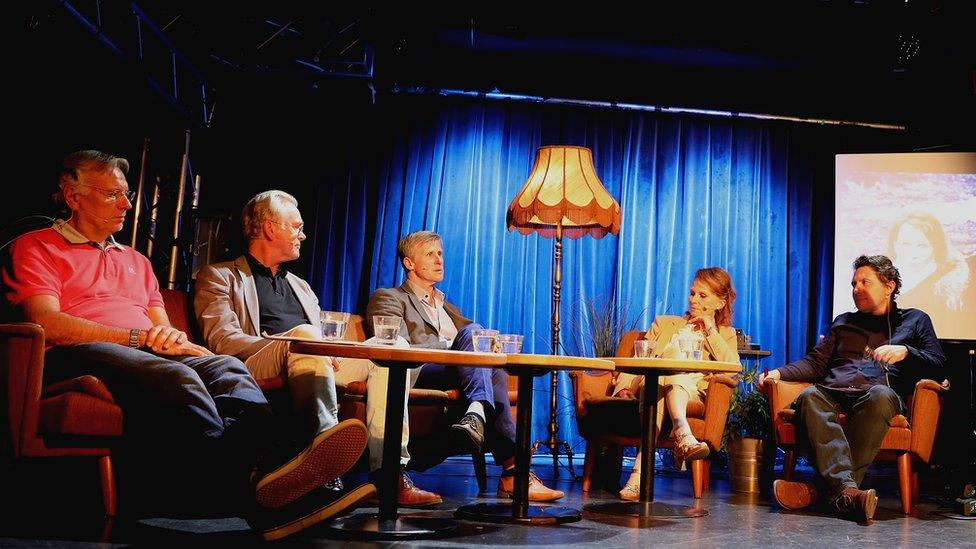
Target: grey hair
[
  {"x": 87, "y": 160},
  {"x": 264, "y": 206}
]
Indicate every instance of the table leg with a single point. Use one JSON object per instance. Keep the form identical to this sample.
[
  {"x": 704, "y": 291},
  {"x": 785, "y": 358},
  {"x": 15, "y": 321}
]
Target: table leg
[
  {"x": 519, "y": 511},
  {"x": 647, "y": 507},
  {"x": 387, "y": 524}
]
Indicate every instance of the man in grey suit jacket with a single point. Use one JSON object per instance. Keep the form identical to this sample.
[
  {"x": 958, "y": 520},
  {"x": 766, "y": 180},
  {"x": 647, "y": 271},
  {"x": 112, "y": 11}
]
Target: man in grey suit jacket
[
  {"x": 237, "y": 301},
  {"x": 430, "y": 321}
]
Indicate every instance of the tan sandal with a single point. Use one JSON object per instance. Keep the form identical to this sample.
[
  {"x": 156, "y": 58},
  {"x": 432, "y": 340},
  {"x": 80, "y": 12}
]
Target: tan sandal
[
  {"x": 689, "y": 448},
  {"x": 631, "y": 490}
]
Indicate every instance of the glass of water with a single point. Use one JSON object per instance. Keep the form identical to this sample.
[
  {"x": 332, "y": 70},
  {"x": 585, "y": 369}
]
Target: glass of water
[
  {"x": 484, "y": 341},
  {"x": 333, "y": 324},
  {"x": 386, "y": 328},
  {"x": 511, "y": 343},
  {"x": 644, "y": 348}
]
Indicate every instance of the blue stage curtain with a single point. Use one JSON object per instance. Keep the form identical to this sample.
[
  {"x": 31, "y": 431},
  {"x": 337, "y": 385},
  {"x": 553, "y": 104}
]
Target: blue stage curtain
[{"x": 694, "y": 193}]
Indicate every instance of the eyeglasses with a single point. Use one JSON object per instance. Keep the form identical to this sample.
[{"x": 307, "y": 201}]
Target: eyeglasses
[
  {"x": 299, "y": 229},
  {"x": 112, "y": 195}
]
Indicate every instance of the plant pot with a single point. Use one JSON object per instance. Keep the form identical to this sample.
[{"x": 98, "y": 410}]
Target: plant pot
[{"x": 745, "y": 464}]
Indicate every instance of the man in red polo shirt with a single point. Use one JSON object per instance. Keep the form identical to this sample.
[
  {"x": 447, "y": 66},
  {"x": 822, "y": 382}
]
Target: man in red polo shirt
[{"x": 99, "y": 304}]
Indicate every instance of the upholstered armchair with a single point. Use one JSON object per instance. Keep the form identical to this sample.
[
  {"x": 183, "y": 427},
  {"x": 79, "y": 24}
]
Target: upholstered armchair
[
  {"x": 73, "y": 418},
  {"x": 909, "y": 438},
  {"x": 611, "y": 423},
  {"x": 431, "y": 412}
]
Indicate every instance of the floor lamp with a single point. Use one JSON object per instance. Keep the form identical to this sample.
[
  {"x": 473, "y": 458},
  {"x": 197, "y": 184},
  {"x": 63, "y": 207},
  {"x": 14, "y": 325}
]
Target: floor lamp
[{"x": 562, "y": 197}]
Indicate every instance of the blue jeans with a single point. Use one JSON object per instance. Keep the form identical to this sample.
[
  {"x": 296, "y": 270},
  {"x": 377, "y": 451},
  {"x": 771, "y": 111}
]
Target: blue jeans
[
  {"x": 488, "y": 385},
  {"x": 202, "y": 400},
  {"x": 842, "y": 453}
]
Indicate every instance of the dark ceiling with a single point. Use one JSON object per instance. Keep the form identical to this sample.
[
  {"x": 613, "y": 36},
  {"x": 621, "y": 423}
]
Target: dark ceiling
[{"x": 903, "y": 62}]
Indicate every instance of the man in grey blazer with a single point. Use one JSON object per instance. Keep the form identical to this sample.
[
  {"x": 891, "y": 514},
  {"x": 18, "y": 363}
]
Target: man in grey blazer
[
  {"x": 430, "y": 321},
  {"x": 237, "y": 301}
]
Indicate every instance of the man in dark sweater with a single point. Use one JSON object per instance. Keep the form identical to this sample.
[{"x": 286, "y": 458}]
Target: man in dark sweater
[{"x": 866, "y": 368}]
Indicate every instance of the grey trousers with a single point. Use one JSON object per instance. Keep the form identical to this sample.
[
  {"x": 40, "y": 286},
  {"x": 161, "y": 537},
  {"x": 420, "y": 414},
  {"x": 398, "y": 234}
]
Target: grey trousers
[{"x": 842, "y": 453}]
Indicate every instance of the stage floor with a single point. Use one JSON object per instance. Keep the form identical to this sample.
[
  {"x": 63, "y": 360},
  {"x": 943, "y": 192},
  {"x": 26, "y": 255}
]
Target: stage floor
[{"x": 733, "y": 520}]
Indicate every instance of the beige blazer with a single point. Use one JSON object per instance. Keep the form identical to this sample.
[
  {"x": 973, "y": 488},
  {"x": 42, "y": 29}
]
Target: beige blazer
[
  {"x": 227, "y": 308},
  {"x": 721, "y": 346}
]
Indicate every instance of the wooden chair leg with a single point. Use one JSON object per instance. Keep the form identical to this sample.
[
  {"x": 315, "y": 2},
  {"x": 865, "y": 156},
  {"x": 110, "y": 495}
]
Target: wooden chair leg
[
  {"x": 905, "y": 481},
  {"x": 480, "y": 471},
  {"x": 706, "y": 474},
  {"x": 108, "y": 485},
  {"x": 697, "y": 476},
  {"x": 789, "y": 463},
  {"x": 588, "y": 464}
]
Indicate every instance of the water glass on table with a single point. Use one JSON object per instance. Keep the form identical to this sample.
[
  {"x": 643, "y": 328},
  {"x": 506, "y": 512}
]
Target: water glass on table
[
  {"x": 511, "y": 343},
  {"x": 386, "y": 328},
  {"x": 644, "y": 348},
  {"x": 484, "y": 341},
  {"x": 333, "y": 324},
  {"x": 689, "y": 345}
]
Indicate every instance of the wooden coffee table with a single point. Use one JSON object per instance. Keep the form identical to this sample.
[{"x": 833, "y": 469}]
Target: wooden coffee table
[
  {"x": 651, "y": 369},
  {"x": 387, "y": 523},
  {"x": 527, "y": 367}
]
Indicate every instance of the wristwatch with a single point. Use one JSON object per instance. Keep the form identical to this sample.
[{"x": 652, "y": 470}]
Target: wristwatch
[{"x": 134, "y": 337}]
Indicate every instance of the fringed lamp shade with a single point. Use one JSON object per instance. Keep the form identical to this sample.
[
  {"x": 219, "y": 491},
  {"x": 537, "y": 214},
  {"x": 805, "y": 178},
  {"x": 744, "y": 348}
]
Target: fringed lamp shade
[{"x": 563, "y": 186}]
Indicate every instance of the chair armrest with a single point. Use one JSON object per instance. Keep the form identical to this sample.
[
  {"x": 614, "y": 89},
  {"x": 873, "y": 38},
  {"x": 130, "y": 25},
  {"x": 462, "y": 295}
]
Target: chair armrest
[
  {"x": 782, "y": 393},
  {"x": 87, "y": 384},
  {"x": 22, "y": 362},
  {"x": 923, "y": 416},
  {"x": 717, "y": 398},
  {"x": 588, "y": 385}
]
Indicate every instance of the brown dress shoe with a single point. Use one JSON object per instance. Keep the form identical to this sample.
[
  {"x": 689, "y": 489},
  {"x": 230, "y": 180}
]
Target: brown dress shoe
[
  {"x": 855, "y": 504},
  {"x": 794, "y": 495},
  {"x": 537, "y": 490},
  {"x": 408, "y": 495}
]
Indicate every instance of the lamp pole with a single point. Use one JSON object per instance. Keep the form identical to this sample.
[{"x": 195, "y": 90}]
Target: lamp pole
[{"x": 553, "y": 443}]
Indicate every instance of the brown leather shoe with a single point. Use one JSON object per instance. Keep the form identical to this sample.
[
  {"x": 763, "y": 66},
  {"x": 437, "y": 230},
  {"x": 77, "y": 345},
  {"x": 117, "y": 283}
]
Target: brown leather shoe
[
  {"x": 408, "y": 495},
  {"x": 794, "y": 495},
  {"x": 537, "y": 490},
  {"x": 856, "y": 504}
]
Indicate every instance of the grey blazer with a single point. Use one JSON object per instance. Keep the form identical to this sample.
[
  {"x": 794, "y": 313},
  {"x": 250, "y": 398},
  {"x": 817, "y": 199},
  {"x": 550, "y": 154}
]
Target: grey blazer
[
  {"x": 417, "y": 328},
  {"x": 227, "y": 309}
]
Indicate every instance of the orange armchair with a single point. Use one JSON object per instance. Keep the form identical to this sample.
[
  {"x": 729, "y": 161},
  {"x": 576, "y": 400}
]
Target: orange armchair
[
  {"x": 908, "y": 438},
  {"x": 72, "y": 418},
  {"x": 607, "y": 421}
]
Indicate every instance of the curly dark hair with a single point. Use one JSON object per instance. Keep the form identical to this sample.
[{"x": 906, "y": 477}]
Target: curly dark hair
[{"x": 883, "y": 267}]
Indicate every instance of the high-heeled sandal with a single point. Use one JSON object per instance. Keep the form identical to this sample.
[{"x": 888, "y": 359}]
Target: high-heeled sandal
[
  {"x": 631, "y": 490},
  {"x": 689, "y": 448}
]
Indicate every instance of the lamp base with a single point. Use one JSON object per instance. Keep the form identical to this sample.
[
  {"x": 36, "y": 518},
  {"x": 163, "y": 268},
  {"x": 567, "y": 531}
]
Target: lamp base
[{"x": 554, "y": 446}]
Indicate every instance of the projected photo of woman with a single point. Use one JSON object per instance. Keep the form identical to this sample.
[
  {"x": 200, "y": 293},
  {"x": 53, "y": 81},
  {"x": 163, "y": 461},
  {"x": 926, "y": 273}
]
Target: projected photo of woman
[{"x": 935, "y": 278}]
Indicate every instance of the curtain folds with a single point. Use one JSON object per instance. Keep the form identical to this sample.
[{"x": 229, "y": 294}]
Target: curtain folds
[{"x": 693, "y": 193}]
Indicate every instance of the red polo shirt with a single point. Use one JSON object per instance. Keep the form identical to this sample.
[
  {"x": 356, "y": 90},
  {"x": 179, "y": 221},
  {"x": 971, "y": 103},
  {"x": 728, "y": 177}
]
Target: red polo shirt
[{"x": 114, "y": 285}]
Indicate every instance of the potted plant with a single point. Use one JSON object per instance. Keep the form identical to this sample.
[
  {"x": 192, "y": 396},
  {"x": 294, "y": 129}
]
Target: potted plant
[{"x": 747, "y": 427}]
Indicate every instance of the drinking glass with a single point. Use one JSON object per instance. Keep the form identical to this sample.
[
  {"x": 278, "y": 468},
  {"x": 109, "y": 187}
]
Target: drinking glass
[
  {"x": 333, "y": 324},
  {"x": 386, "y": 328},
  {"x": 511, "y": 343},
  {"x": 484, "y": 341},
  {"x": 643, "y": 348}
]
